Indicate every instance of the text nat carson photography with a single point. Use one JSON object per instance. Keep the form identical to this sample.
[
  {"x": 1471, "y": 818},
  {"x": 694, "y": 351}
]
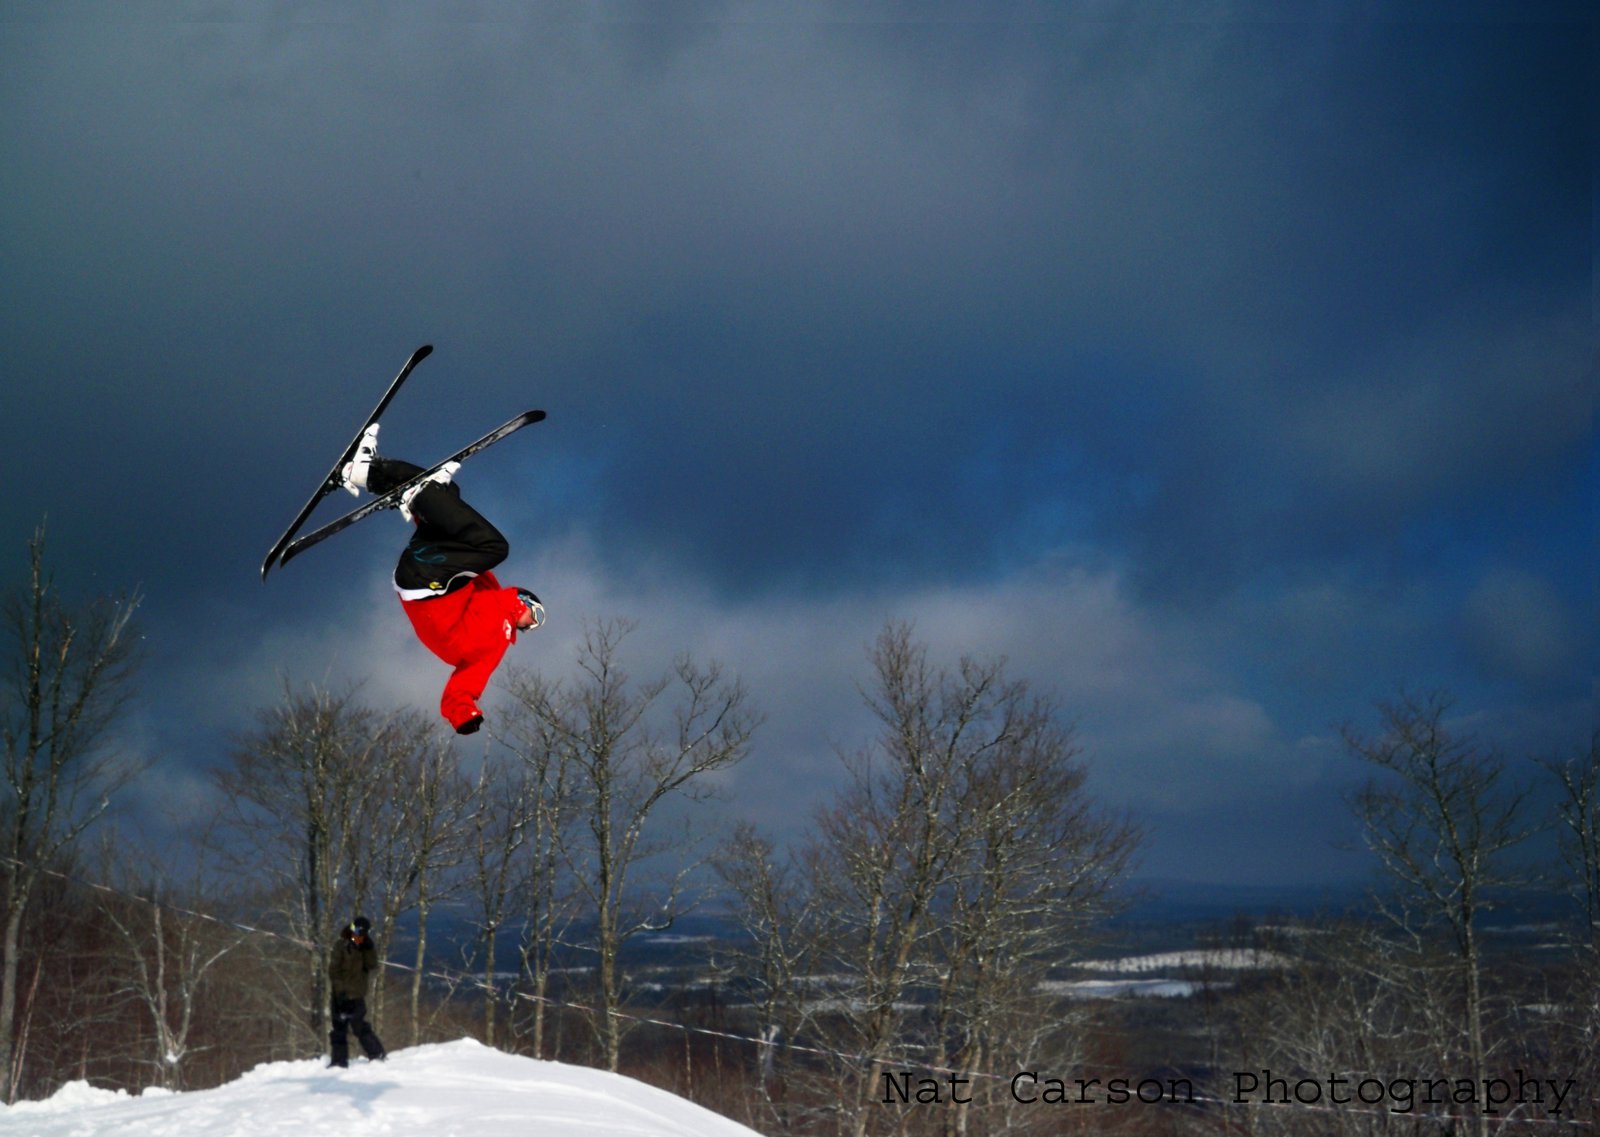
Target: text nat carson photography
[{"x": 1400, "y": 1095}]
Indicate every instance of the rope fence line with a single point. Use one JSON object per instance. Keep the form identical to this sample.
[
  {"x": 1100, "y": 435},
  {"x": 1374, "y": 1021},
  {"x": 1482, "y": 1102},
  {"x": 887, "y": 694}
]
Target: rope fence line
[{"x": 456, "y": 979}]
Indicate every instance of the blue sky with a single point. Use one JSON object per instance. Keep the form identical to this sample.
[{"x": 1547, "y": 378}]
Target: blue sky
[{"x": 1224, "y": 368}]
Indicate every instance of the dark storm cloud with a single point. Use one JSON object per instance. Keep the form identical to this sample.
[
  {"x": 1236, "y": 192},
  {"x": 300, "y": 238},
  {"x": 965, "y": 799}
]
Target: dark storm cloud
[{"x": 1230, "y": 370}]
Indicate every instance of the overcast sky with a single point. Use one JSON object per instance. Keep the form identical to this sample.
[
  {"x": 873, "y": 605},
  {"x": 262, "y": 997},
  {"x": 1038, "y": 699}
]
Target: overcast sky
[{"x": 1223, "y": 367}]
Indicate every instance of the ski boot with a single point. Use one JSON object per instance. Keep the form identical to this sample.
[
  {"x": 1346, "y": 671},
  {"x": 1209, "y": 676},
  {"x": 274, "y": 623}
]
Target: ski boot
[
  {"x": 441, "y": 476},
  {"x": 354, "y": 475}
]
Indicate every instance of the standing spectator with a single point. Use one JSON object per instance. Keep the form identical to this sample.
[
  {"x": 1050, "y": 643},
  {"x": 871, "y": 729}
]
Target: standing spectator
[{"x": 350, "y": 968}]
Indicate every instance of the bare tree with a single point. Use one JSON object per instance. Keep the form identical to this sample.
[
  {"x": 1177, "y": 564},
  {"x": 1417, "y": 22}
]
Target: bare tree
[
  {"x": 961, "y": 860},
  {"x": 295, "y": 799},
  {"x": 885, "y": 850},
  {"x": 1440, "y": 819},
  {"x": 1354, "y": 998},
  {"x": 1034, "y": 872},
  {"x": 69, "y": 678},
  {"x": 501, "y": 816},
  {"x": 1577, "y": 1004},
  {"x": 167, "y": 951},
  {"x": 414, "y": 833},
  {"x": 608, "y": 730},
  {"x": 776, "y": 907},
  {"x": 529, "y": 859},
  {"x": 1578, "y": 831}
]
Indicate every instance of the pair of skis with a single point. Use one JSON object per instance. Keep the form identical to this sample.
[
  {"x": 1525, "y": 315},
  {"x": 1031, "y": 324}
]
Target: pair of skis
[{"x": 289, "y": 546}]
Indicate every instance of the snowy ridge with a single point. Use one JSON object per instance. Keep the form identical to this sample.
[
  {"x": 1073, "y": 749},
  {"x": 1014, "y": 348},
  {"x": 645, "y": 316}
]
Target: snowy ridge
[{"x": 454, "y": 1089}]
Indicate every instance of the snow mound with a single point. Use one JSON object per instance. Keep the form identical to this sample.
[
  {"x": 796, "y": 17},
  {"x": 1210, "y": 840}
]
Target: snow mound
[{"x": 453, "y": 1089}]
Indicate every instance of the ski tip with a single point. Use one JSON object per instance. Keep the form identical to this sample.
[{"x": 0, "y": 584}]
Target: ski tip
[{"x": 423, "y": 352}]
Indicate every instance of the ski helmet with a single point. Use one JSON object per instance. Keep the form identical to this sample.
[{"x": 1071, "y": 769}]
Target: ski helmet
[{"x": 531, "y": 603}]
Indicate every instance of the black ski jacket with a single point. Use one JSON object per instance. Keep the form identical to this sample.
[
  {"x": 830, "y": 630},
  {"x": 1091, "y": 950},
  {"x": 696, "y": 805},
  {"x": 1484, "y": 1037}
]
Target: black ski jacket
[{"x": 350, "y": 969}]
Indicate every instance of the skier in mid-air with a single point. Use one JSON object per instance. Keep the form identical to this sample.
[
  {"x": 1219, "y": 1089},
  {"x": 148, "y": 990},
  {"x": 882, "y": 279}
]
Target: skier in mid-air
[{"x": 460, "y": 611}]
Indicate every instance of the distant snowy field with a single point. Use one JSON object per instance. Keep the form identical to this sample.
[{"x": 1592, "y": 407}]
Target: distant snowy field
[
  {"x": 1214, "y": 959},
  {"x": 1177, "y": 986},
  {"x": 453, "y": 1089}
]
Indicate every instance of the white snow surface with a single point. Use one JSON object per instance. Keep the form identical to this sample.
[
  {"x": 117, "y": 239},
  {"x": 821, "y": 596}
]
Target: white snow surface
[{"x": 452, "y": 1089}]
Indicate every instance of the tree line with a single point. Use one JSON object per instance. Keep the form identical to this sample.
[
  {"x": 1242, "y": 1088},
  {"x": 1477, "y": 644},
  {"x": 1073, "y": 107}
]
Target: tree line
[{"x": 913, "y": 926}]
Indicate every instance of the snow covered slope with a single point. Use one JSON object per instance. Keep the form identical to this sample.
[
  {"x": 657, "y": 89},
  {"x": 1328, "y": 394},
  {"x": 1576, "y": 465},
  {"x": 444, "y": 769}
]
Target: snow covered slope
[{"x": 454, "y": 1089}]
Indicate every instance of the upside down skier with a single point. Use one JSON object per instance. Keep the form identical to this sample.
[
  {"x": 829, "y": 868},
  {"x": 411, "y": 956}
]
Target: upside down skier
[{"x": 459, "y": 610}]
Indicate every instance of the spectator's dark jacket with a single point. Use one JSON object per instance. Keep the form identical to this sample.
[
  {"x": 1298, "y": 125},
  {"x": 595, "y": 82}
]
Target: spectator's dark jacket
[{"x": 350, "y": 968}]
